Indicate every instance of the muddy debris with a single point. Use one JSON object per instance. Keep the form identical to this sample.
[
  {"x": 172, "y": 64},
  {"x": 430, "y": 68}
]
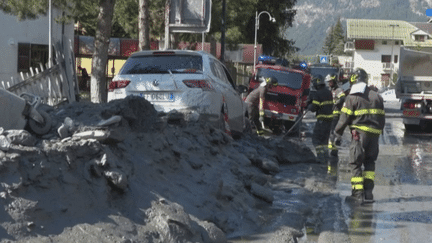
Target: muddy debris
[{"x": 119, "y": 172}]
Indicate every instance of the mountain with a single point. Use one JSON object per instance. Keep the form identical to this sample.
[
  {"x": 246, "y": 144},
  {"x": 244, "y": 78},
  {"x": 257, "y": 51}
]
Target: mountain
[{"x": 315, "y": 17}]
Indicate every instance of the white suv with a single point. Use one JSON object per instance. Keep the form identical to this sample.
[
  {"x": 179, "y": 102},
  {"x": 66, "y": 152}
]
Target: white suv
[{"x": 186, "y": 81}]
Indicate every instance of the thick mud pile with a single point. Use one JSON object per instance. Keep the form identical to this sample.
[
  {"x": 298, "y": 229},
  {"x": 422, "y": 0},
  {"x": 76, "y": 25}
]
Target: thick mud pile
[{"x": 118, "y": 172}]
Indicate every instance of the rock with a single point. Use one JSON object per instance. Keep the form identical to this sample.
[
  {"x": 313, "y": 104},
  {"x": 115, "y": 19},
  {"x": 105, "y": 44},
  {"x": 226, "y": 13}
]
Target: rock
[
  {"x": 117, "y": 179},
  {"x": 269, "y": 165},
  {"x": 210, "y": 232},
  {"x": 63, "y": 131},
  {"x": 21, "y": 137},
  {"x": 262, "y": 192},
  {"x": 4, "y": 143}
]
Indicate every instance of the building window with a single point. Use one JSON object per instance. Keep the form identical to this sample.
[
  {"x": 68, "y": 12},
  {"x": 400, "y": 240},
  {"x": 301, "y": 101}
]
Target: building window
[
  {"x": 385, "y": 58},
  {"x": 396, "y": 42},
  {"x": 395, "y": 58},
  {"x": 419, "y": 38},
  {"x": 384, "y": 42},
  {"x": 31, "y": 55}
]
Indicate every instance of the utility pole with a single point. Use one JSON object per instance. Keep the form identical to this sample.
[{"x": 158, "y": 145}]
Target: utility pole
[
  {"x": 391, "y": 56},
  {"x": 222, "y": 59}
]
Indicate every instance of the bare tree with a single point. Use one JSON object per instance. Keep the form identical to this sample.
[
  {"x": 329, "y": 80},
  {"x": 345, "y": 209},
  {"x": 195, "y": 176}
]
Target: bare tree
[
  {"x": 100, "y": 56},
  {"x": 143, "y": 24}
]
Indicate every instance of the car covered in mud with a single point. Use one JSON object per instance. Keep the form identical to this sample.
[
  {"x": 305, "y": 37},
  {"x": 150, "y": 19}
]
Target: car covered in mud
[
  {"x": 284, "y": 104},
  {"x": 184, "y": 82}
]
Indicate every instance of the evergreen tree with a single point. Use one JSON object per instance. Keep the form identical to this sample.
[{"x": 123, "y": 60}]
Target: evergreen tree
[
  {"x": 338, "y": 38},
  {"x": 329, "y": 44}
]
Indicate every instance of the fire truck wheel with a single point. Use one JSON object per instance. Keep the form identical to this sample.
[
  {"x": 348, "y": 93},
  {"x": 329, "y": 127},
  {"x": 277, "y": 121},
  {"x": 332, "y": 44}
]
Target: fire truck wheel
[{"x": 41, "y": 128}]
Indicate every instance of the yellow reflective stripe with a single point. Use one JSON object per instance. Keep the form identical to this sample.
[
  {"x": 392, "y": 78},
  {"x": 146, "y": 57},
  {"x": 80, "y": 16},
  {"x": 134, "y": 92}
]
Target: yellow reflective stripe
[
  {"x": 341, "y": 95},
  {"x": 329, "y": 168},
  {"x": 367, "y": 129},
  {"x": 261, "y": 113},
  {"x": 327, "y": 102},
  {"x": 347, "y": 111},
  {"x": 325, "y": 116},
  {"x": 369, "y": 175},
  {"x": 356, "y": 180},
  {"x": 357, "y": 187},
  {"x": 369, "y": 112},
  {"x": 261, "y": 104},
  {"x": 335, "y": 112}
]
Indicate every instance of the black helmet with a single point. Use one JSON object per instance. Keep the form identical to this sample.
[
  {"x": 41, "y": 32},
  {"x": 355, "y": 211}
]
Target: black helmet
[
  {"x": 359, "y": 75},
  {"x": 271, "y": 81},
  {"x": 318, "y": 80}
]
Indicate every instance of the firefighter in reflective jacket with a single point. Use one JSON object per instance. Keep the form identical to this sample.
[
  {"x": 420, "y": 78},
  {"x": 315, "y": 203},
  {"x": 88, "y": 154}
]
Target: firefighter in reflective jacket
[
  {"x": 255, "y": 101},
  {"x": 338, "y": 99},
  {"x": 321, "y": 102},
  {"x": 363, "y": 112}
]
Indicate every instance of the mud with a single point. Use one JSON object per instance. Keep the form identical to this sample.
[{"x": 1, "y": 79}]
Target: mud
[{"x": 118, "y": 172}]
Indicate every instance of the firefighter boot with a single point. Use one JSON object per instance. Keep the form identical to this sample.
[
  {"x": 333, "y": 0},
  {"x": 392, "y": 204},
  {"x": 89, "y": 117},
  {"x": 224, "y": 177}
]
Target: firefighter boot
[
  {"x": 356, "y": 197},
  {"x": 369, "y": 177},
  {"x": 368, "y": 187}
]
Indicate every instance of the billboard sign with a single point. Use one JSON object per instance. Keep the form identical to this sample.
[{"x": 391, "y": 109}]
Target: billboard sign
[{"x": 190, "y": 16}]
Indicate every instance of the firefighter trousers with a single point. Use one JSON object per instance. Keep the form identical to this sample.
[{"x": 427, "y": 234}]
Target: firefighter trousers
[
  {"x": 320, "y": 138},
  {"x": 363, "y": 153},
  {"x": 253, "y": 112}
]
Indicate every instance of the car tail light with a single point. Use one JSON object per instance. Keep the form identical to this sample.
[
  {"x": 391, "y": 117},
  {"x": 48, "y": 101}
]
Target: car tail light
[
  {"x": 203, "y": 84},
  {"x": 411, "y": 105},
  {"x": 118, "y": 84}
]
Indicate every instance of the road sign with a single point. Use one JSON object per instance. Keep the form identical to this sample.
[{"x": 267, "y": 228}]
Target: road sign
[
  {"x": 429, "y": 12},
  {"x": 303, "y": 65},
  {"x": 323, "y": 59},
  {"x": 190, "y": 16}
]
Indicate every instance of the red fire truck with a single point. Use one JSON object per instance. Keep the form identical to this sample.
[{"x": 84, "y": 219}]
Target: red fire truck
[{"x": 284, "y": 103}]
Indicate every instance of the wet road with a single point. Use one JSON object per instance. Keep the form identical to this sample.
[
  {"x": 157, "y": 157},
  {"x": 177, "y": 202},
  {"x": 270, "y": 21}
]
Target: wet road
[{"x": 402, "y": 211}]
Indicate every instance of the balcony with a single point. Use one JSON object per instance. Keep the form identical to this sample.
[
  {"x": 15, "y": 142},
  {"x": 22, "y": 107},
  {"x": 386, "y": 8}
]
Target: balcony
[
  {"x": 349, "y": 46},
  {"x": 387, "y": 66}
]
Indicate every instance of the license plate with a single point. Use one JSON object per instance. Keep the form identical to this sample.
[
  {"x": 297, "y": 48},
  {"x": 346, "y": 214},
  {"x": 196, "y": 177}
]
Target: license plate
[{"x": 158, "y": 96}]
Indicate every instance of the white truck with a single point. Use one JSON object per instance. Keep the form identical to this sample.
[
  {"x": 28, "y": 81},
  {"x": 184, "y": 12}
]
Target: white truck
[{"x": 414, "y": 88}]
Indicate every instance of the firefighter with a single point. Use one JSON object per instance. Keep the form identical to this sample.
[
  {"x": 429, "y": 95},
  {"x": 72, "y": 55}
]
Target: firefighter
[
  {"x": 363, "y": 112},
  {"x": 255, "y": 101},
  {"x": 338, "y": 99},
  {"x": 321, "y": 102}
]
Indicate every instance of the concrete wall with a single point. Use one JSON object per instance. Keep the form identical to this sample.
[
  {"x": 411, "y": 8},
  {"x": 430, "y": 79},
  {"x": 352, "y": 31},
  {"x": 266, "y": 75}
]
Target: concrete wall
[{"x": 28, "y": 31}]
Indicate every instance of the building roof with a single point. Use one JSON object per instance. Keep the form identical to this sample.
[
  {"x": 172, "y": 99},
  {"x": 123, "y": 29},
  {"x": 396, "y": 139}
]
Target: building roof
[{"x": 378, "y": 29}]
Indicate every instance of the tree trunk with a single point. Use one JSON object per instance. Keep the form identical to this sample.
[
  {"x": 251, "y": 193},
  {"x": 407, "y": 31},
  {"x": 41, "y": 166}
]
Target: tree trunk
[
  {"x": 143, "y": 23},
  {"x": 98, "y": 88}
]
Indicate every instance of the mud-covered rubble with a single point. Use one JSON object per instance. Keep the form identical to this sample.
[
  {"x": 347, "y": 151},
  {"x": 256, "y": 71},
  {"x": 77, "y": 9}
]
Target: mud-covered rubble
[{"x": 118, "y": 172}]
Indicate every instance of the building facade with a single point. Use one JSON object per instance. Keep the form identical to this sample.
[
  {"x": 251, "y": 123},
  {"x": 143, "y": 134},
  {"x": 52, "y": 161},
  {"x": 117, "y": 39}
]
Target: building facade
[
  {"x": 375, "y": 46},
  {"x": 24, "y": 44}
]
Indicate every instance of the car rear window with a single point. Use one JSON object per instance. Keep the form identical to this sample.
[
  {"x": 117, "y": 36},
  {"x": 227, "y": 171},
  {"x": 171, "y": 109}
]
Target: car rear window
[
  {"x": 292, "y": 80},
  {"x": 163, "y": 64}
]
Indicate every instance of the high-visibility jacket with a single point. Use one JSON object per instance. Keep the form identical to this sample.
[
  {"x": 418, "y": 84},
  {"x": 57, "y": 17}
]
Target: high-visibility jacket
[
  {"x": 322, "y": 104},
  {"x": 338, "y": 100},
  {"x": 363, "y": 110}
]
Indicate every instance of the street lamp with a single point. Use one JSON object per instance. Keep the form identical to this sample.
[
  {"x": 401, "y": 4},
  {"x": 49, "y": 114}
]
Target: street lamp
[
  {"x": 391, "y": 56},
  {"x": 256, "y": 28}
]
